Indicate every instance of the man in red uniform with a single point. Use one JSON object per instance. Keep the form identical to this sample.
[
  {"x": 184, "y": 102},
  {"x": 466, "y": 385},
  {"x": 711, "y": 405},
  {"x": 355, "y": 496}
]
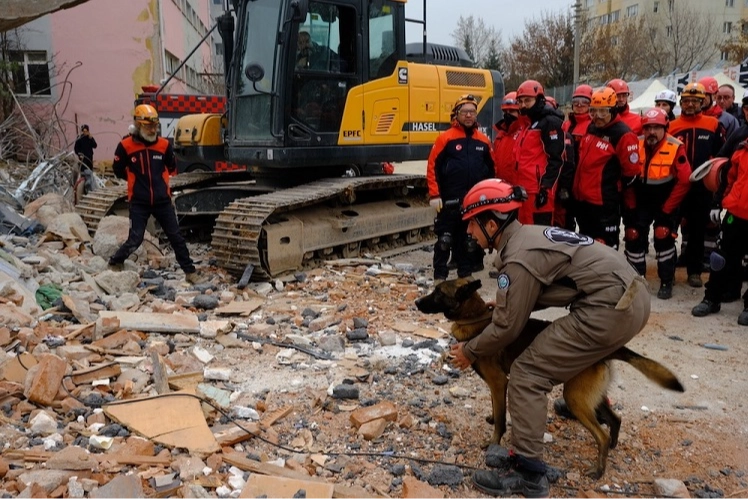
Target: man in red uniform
[
  {"x": 460, "y": 158},
  {"x": 657, "y": 192},
  {"x": 608, "y": 161},
  {"x": 507, "y": 131},
  {"x": 633, "y": 120},
  {"x": 147, "y": 161},
  {"x": 538, "y": 154},
  {"x": 703, "y": 137},
  {"x": 575, "y": 127},
  {"x": 711, "y": 108}
]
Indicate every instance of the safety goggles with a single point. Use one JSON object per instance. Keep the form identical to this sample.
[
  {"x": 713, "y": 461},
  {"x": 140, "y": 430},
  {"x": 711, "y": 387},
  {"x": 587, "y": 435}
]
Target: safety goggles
[
  {"x": 599, "y": 111},
  {"x": 580, "y": 102}
]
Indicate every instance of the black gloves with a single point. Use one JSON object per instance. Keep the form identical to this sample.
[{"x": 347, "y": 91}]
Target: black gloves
[
  {"x": 563, "y": 195},
  {"x": 541, "y": 199}
]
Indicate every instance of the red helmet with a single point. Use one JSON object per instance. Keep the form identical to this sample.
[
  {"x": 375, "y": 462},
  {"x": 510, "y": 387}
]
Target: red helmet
[
  {"x": 550, "y": 100},
  {"x": 655, "y": 116},
  {"x": 583, "y": 91},
  {"x": 510, "y": 102},
  {"x": 710, "y": 173},
  {"x": 620, "y": 86},
  {"x": 530, "y": 88},
  {"x": 711, "y": 85},
  {"x": 492, "y": 194}
]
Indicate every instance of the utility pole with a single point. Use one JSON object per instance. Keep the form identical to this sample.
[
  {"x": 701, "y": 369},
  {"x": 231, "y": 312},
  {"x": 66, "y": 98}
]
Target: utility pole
[{"x": 577, "y": 38}]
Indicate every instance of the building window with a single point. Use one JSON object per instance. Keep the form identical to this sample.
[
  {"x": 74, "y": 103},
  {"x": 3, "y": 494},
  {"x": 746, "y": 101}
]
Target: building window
[
  {"x": 632, "y": 10},
  {"x": 590, "y": 3},
  {"x": 727, "y": 27},
  {"x": 603, "y": 19},
  {"x": 724, "y": 55},
  {"x": 615, "y": 15},
  {"x": 670, "y": 5},
  {"x": 30, "y": 73},
  {"x": 729, "y": 3},
  {"x": 216, "y": 2},
  {"x": 657, "y": 6},
  {"x": 219, "y": 48},
  {"x": 172, "y": 63}
]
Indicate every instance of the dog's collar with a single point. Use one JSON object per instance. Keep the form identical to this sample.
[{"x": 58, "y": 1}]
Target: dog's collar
[{"x": 482, "y": 318}]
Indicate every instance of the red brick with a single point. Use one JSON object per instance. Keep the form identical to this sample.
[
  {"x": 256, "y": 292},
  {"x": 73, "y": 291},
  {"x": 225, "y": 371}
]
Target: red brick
[
  {"x": 46, "y": 379},
  {"x": 383, "y": 410}
]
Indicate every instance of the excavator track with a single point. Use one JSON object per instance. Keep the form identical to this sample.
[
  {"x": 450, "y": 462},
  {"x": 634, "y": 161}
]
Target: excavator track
[
  {"x": 292, "y": 229},
  {"x": 97, "y": 204}
]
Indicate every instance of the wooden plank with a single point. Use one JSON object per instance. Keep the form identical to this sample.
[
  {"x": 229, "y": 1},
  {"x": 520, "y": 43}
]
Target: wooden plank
[
  {"x": 270, "y": 419},
  {"x": 241, "y": 307},
  {"x": 273, "y": 486},
  {"x": 155, "y": 322},
  {"x": 84, "y": 376},
  {"x": 230, "y": 434}
]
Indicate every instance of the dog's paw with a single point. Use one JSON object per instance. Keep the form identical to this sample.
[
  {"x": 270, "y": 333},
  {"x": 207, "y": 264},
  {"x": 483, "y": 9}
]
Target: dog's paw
[
  {"x": 595, "y": 473},
  {"x": 488, "y": 443}
]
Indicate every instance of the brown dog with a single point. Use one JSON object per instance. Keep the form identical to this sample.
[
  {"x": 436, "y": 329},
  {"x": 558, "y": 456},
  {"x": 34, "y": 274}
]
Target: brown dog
[{"x": 585, "y": 393}]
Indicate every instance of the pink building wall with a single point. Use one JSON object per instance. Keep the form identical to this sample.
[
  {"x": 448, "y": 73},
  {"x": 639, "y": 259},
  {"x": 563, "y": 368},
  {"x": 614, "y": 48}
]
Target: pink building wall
[{"x": 119, "y": 44}]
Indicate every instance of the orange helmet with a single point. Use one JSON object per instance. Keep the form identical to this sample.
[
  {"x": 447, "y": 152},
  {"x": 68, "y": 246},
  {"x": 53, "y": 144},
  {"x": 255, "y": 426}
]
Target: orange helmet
[
  {"x": 145, "y": 114},
  {"x": 605, "y": 97},
  {"x": 710, "y": 173},
  {"x": 510, "y": 102},
  {"x": 694, "y": 90},
  {"x": 620, "y": 86},
  {"x": 583, "y": 91},
  {"x": 711, "y": 86},
  {"x": 655, "y": 116},
  {"x": 530, "y": 88},
  {"x": 492, "y": 194}
]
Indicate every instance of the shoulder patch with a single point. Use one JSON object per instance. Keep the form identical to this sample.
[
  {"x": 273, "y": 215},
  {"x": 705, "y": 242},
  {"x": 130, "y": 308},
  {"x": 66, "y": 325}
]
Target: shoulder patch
[
  {"x": 634, "y": 157},
  {"x": 502, "y": 281},
  {"x": 558, "y": 235}
]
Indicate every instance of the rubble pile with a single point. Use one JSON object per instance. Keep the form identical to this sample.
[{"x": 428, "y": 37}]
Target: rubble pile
[{"x": 325, "y": 383}]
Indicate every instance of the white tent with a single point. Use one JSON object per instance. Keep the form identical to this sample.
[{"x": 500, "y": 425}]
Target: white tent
[{"x": 647, "y": 98}]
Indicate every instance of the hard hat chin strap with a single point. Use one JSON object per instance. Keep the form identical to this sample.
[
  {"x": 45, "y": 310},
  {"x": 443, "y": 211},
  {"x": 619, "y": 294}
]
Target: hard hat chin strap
[{"x": 502, "y": 222}]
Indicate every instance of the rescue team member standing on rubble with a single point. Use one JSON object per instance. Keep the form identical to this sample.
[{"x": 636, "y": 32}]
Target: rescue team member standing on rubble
[
  {"x": 538, "y": 154},
  {"x": 633, "y": 120},
  {"x": 656, "y": 195},
  {"x": 545, "y": 267},
  {"x": 608, "y": 161},
  {"x": 460, "y": 158},
  {"x": 703, "y": 137},
  {"x": 726, "y": 260},
  {"x": 146, "y": 161}
]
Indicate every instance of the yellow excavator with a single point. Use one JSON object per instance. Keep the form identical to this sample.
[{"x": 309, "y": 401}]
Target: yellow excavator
[{"x": 320, "y": 95}]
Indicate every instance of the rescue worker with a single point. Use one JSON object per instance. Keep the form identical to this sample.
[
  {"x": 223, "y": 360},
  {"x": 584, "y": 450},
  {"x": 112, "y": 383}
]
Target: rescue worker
[
  {"x": 726, "y": 260},
  {"x": 507, "y": 131},
  {"x": 147, "y": 161},
  {"x": 538, "y": 154},
  {"x": 657, "y": 193},
  {"x": 711, "y": 108},
  {"x": 608, "y": 305},
  {"x": 739, "y": 135},
  {"x": 633, "y": 120},
  {"x": 575, "y": 127},
  {"x": 84, "y": 148},
  {"x": 608, "y": 162},
  {"x": 703, "y": 137},
  {"x": 460, "y": 158},
  {"x": 667, "y": 99}
]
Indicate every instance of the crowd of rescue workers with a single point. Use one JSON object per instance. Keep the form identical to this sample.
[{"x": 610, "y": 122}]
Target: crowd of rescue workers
[{"x": 549, "y": 197}]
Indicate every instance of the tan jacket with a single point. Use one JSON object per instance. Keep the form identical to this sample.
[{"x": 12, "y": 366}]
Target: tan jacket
[{"x": 543, "y": 267}]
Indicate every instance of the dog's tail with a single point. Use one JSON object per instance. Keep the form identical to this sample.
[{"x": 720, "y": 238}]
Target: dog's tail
[{"x": 652, "y": 369}]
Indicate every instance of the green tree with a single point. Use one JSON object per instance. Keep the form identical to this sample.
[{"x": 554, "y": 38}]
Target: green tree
[{"x": 493, "y": 58}]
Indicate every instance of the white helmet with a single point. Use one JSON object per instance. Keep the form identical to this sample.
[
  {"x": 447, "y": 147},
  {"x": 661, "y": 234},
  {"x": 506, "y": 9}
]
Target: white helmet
[{"x": 666, "y": 95}]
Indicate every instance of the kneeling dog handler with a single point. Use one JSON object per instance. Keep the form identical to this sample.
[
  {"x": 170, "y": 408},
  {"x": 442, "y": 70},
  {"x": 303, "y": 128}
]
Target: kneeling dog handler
[{"x": 545, "y": 267}]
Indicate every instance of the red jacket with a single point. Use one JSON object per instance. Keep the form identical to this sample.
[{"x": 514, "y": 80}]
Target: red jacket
[
  {"x": 503, "y": 148},
  {"x": 736, "y": 193},
  {"x": 633, "y": 120},
  {"x": 457, "y": 162},
  {"x": 539, "y": 153},
  {"x": 146, "y": 167},
  {"x": 606, "y": 156}
]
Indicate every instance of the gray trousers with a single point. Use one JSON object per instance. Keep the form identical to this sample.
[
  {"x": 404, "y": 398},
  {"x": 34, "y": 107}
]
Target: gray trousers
[{"x": 592, "y": 330}]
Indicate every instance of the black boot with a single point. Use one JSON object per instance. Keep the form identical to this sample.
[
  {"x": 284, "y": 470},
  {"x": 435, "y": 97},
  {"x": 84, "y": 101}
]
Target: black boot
[
  {"x": 705, "y": 308},
  {"x": 515, "y": 480},
  {"x": 666, "y": 290}
]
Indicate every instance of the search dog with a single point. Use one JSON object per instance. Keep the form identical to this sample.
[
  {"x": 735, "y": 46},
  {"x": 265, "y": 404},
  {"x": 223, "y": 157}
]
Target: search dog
[{"x": 585, "y": 394}]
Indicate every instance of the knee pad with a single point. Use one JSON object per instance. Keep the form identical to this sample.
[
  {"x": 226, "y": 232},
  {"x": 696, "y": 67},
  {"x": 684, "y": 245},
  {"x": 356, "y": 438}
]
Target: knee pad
[
  {"x": 717, "y": 262},
  {"x": 631, "y": 234},
  {"x": 445, "y": 241},
  {"x": 662, "y": 233}
]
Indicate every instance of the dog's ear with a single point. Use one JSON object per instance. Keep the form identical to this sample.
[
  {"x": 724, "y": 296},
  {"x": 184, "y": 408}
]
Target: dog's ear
[{"x": 464, "y": 291}]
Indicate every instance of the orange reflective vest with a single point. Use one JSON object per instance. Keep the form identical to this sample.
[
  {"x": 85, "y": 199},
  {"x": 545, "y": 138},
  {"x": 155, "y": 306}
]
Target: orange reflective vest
[{"x": 658, "y": 167}]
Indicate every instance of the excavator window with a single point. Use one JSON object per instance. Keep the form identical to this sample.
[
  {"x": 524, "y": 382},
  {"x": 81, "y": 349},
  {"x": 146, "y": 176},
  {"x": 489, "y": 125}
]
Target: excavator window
[
  {"x": 325, "y": 67},
  {"x": 382, "y": 53}
]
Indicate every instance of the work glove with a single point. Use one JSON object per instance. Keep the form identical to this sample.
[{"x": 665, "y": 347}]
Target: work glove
[
  {"x": 436, "y": 203},
  {"x": 715, "y": 215},
  {"x": 563, "y": 195},
  {"x": 541, "y": 199}
]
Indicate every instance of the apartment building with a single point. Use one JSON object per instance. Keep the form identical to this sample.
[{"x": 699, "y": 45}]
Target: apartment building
[
  {"x": 90, "y": 61},
  {"x": 727, "y": 14}
]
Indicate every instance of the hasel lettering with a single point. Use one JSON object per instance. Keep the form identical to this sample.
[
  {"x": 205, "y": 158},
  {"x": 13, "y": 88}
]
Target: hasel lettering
[{"x": 423, "y": 127}]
